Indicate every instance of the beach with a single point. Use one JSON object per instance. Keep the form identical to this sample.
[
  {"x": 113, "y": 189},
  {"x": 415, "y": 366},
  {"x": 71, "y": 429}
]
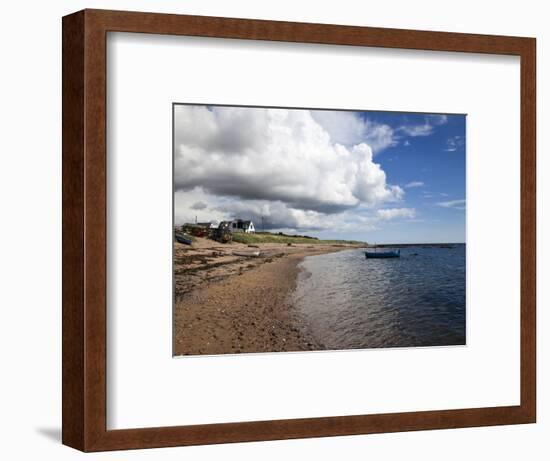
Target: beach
[{"x": 228, "y": 304}]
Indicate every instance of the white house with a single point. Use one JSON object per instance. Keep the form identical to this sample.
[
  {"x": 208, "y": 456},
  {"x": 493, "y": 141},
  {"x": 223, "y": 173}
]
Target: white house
[
  {"x": 239, "y": 225},
  {"x": 248, "y": 227}
]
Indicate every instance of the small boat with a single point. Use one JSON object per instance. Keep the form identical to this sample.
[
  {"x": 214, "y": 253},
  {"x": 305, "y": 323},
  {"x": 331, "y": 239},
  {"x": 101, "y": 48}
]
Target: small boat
[
  {"x": 184, "y": 240},
  {"x": 383, "y": 254},
  {"x": 249, "y": 254}
]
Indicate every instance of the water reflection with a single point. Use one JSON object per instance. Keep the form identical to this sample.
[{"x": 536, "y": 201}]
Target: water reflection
[{"x": 349, "y": 301}]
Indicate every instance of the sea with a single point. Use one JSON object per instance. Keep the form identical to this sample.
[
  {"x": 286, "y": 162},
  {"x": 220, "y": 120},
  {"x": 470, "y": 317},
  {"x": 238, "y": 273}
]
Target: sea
[{"x": 350, "y": 302}]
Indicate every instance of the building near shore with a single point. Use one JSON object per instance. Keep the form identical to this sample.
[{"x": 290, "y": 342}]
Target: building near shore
[
  {"x": 238, "y": 225},
  {"x": 209, "y": 225}
]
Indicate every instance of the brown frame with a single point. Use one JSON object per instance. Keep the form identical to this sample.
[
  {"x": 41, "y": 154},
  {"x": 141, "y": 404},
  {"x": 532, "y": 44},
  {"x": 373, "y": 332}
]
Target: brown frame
[{"x": 84, "y": 229}]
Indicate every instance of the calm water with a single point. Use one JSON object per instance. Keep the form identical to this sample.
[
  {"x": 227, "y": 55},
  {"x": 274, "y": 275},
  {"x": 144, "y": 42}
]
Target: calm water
[{"x": 418, "y": 299}]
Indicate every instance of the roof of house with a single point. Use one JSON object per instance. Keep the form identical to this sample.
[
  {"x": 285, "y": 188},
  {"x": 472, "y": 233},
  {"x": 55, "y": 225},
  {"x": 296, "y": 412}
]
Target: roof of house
[{"x": 242, "y": 222}]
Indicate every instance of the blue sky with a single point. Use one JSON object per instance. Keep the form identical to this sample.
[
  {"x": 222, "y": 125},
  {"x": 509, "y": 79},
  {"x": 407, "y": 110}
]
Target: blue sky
[
  {"x": 430, "y": 166},
  {"x": 380, "y": 177}
]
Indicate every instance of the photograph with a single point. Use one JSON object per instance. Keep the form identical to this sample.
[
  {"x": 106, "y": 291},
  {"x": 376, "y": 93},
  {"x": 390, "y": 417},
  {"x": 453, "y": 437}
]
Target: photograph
[{"x": 301, "y": 229}]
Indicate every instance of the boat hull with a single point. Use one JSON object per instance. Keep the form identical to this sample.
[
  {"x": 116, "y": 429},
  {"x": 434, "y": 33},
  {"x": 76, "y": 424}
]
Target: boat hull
[
  {"x": 247, "y": 254},
  {"x": 183, "y": 240},
  {"x": 382, "y": 254}
]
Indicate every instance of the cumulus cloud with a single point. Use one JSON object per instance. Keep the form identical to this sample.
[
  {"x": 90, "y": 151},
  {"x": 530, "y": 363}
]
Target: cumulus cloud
[
  {"x": 280, "y": 164},
  {"x": 199, "y": 206},
  {"x": 186, "y": 211},
  {"x": 269, "y": 215},
  {"x": 277, "y": 215},
  {"x": 349, "y": 129},
  {"x": 414, "y": 184},
  {"x": 393, "y": 213}
]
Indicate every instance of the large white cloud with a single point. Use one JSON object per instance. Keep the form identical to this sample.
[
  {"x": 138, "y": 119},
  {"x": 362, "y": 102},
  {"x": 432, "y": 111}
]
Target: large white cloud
[
  {"x": 348, "y": 129},
  {"x": 275, "y": 215},
  {"x": 284, "y": 159}
]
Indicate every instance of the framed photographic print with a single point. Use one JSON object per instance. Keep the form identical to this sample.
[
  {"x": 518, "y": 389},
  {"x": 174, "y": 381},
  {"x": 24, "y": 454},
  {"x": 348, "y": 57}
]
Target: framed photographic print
[
  {"x": 280, "y": 230},
  {"x": 270, "y": 206}
]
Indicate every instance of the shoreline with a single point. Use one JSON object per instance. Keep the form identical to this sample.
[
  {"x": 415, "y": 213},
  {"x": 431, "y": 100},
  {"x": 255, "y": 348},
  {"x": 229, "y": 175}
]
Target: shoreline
[{"x": 226, "y": 304}]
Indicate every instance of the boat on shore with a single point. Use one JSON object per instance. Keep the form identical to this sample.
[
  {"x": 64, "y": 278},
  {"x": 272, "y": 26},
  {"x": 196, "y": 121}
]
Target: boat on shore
[
  {"x": 247, "y": 254},
  {"x": 383, "y": 254},
  {"x": 183, "y": 240}
]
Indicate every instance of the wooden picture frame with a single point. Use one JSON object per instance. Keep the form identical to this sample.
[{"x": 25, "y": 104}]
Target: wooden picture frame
[{"x": 85, "y": 221}]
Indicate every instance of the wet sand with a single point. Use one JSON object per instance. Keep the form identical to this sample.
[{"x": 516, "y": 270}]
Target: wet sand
[{"x": 227, "y": 304}]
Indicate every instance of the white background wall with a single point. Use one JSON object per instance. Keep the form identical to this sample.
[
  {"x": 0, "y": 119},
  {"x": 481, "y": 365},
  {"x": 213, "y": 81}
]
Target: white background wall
[{"x": 30, "y": 235}]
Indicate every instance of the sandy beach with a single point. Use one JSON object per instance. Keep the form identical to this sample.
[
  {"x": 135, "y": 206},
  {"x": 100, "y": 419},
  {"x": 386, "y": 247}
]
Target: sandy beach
[{"x": 228, "y": 304}]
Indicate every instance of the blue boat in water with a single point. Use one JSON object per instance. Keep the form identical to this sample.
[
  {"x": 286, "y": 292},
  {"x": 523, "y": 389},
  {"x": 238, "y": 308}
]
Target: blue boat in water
[
  {"x": 383, "y": 254},
  {"x": 184, "y": 240}
]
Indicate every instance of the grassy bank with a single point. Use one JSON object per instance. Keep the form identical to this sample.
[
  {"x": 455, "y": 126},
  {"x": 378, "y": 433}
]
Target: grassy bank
[{"x": 266, "y": 237}]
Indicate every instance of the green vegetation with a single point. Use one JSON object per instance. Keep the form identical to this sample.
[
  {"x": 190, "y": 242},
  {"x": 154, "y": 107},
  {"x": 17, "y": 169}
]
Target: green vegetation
[
  {"x": 190, "y": 237},
  {"x": 267, "y": 237}
]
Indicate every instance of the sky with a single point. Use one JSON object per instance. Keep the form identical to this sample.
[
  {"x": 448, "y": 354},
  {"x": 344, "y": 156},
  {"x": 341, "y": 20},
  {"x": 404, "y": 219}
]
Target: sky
[{"x": 379, "y": 177}]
